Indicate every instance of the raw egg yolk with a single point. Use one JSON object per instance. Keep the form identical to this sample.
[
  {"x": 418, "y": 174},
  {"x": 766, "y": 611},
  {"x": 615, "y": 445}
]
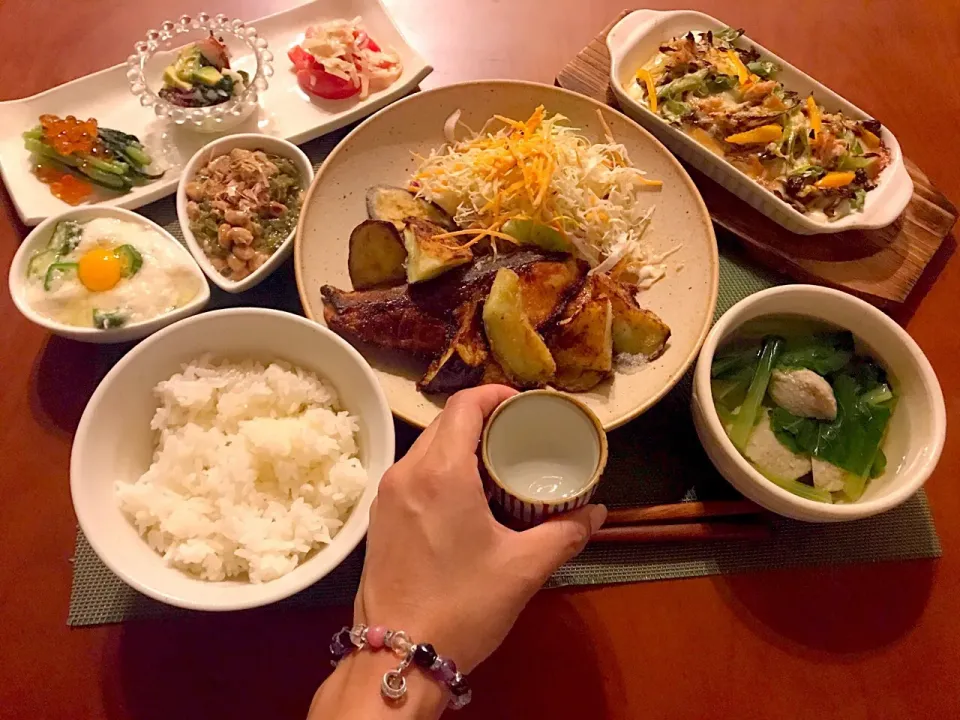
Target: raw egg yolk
[{"x": 99, "y": 270}]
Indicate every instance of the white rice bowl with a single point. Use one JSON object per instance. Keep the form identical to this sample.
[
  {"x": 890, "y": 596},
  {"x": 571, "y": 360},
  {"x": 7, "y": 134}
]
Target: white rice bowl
[{"x": 255, "y": 468}]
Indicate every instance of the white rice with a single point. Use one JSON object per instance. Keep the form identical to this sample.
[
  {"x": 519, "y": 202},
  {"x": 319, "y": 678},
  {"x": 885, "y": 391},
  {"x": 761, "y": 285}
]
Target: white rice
[{"x": 254, "y": 469}]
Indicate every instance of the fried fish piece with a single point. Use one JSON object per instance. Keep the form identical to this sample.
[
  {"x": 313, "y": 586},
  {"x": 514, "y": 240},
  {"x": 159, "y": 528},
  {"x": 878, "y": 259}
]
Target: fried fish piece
[
  {"x": 387, "y": 318},
  {"x": 420, "y": 318}
]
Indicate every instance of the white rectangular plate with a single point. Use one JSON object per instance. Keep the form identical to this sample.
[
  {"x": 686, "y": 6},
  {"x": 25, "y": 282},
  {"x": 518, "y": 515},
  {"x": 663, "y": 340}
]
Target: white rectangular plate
[
  {"x": 285, "y": 110},
  {"x": 635, "y": 39}
]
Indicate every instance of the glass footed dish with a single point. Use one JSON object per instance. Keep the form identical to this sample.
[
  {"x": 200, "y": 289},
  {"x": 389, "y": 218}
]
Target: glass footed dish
[{"x": 247, "y": 50}]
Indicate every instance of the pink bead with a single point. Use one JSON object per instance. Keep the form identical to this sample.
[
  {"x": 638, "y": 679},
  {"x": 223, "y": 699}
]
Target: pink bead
[{"x": 375, "y": 635}]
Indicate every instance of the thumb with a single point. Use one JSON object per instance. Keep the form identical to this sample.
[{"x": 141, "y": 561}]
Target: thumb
[{"x": 562, "y": 537}]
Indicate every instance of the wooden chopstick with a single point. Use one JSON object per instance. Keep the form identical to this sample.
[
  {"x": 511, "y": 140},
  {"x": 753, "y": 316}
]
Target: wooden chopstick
[
  {"x": 682, "y": 532},
  {"x": 685, "y": 522},
  {"x": 681, "y": 511}
]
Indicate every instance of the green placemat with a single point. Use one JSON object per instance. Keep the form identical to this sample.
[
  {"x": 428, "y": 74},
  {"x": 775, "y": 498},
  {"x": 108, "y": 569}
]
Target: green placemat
[{"x": 654, "y": 459}]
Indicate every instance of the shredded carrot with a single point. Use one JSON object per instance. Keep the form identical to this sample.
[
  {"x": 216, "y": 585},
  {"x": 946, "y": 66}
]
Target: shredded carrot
[
  {"x": 649, "y": 183},
  {"x": 511, "y": 123},
  {"x": 472, "y": 231}
]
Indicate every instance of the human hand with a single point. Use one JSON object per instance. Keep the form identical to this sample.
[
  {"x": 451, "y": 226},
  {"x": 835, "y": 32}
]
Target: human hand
[{"x": 438, "y": 565}]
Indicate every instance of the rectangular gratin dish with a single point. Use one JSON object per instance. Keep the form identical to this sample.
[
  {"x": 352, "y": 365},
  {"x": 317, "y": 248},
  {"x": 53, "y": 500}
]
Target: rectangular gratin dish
[{"x": 636, "y": 39}]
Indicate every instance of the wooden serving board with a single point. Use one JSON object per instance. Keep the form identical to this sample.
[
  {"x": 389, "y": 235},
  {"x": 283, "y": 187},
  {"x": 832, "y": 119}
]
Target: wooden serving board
[{"x": 881, "y": 266}]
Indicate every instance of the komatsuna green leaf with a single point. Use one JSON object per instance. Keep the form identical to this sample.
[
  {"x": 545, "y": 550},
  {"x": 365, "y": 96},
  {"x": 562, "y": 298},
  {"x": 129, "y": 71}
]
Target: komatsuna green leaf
[
  {"x": 799, "y": 434},
  {"x": 824, "y": 353}
]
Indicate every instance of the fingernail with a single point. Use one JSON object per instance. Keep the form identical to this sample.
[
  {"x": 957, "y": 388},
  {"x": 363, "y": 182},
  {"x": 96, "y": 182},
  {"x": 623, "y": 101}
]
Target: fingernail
[{"x": 598, "y": 514}]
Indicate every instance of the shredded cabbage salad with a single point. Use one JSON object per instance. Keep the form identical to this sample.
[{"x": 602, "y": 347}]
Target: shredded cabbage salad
[{"x": 546, "y": 171}]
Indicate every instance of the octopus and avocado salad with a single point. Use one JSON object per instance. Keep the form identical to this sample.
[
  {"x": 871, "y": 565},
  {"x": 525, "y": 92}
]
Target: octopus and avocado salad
[{"x": 729, "y": 100}]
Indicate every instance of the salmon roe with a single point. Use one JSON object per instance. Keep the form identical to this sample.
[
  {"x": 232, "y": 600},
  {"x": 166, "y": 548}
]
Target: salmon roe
[
  {"x": 69, "y": 188},
  {"x": 69, "y": 135}
]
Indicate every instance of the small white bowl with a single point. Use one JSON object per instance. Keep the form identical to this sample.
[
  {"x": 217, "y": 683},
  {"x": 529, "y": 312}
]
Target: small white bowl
[
  {"x": 38, "y": 239},
  {"x": 917, "y": 429},
  {"x": 544, "y": 453},
  {"x": 114, "y": 442},
  {"x": 635, "y": 39},
  {"x": 247, "y": 141}
]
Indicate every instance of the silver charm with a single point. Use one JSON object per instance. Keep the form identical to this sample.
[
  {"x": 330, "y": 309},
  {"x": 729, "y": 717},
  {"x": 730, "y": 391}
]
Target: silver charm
[{"x": 394, "y": 685}]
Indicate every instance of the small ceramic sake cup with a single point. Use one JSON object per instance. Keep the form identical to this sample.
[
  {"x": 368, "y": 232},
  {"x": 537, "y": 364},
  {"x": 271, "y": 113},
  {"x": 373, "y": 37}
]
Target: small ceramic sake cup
[{"x": 544, "y": 453}]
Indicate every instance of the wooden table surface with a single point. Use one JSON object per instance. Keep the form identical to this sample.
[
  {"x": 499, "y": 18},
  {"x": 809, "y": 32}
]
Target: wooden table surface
[{"x": 873, "y": 641}]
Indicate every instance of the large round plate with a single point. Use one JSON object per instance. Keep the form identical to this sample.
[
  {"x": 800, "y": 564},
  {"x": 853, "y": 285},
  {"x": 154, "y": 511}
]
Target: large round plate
[{"x": 381, "y": 151}]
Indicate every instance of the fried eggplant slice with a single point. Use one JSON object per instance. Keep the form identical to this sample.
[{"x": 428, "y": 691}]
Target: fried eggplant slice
[
  {"x": 377, "y": 255},
  {"x": 636, "y": 331},
  {"x": 514, "y": 342},
  {"x": 428, "y": 257},
  {"x": 386, "y": 318},
  {"x": 462, "y": 364},
  {"x": 395, "y": 205},
  {"x": 582, "y": 342}
]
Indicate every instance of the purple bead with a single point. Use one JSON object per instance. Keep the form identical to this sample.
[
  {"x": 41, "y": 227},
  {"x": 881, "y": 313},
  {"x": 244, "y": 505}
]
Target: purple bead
[
  {"x": 424, "y": 655},
  {"x": 447, "y": 672},
  {"x": 459, "y": 686},
  {"x": 461, "y": 701}
]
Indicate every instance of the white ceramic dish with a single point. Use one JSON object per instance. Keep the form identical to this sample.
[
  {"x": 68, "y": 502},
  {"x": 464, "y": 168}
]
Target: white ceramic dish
[
  {"x": 917, "y": 428},
  {"x": 247, "y": 141},
  {"x": 285, "y": 110},
  {"x": 635, "y": 39},
  {"x": 123, "y": 404},
  {"x": 40, "y": 236},
  {"x": 381, "y": 151}
]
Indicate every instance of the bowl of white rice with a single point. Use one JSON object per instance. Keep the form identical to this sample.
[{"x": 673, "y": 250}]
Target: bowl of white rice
[{"x": 230, "y": 460}]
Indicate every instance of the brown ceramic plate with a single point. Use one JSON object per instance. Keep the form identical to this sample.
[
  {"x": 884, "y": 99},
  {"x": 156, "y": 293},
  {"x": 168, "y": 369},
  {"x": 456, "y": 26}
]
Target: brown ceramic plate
[{"x": 380, "y": 151}]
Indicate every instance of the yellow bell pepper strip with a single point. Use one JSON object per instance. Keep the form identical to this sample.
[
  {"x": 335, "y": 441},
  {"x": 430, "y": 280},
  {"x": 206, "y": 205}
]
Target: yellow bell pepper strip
[
  {"x": 869, "y": 139},
  {"x": 762, "y": 134},
  {"x": 816, "y": 121},
  {"x": 745, "y": 77},
  {"x": 646, "y": 78},
  {"x": 707, "y": 140},
  {"x": 835, "y": 180}
]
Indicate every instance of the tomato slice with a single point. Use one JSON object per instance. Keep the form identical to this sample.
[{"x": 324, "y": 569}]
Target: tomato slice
[
  {"x": 315, "y": 80},
  {"x": 300, "y": 58},
  {"x": 318, "y": 81},
  {"x": 362, "y": 38}
]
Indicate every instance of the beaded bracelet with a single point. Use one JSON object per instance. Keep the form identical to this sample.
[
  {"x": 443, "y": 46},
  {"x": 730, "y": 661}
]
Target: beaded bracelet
[{"x": 394, "y": 684}]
